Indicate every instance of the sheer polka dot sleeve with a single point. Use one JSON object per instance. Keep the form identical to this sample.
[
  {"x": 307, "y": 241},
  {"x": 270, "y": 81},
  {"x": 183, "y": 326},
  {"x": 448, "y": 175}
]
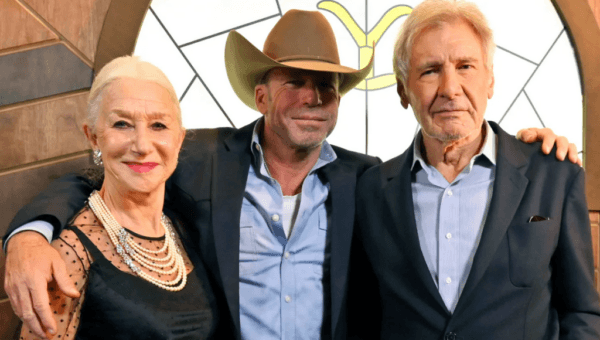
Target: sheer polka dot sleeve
[{"x": 67, "y": 310}]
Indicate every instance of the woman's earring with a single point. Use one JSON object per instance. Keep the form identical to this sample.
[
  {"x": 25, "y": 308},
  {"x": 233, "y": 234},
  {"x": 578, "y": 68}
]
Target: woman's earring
[{"x": 97, "y": 155}]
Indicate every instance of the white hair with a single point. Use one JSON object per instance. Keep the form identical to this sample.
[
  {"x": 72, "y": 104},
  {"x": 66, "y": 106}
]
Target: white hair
[{"x": 126, "y": 67}]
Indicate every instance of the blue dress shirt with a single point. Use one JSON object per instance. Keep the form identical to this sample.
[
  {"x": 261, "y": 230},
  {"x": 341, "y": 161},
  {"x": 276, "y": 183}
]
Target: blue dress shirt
[
  {"x": 450, "y": 216},
  {"x": 281, "y": 280}
]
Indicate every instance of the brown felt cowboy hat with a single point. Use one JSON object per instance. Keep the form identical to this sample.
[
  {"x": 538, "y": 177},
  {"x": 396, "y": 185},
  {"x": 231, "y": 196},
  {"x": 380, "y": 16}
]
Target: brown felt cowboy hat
[{"x": 300, "y": 40}]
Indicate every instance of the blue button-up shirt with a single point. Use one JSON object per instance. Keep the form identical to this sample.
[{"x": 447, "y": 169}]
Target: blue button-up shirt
[
  {"x": 450, "y": 216},
  {"x": 281, "y": 279}
]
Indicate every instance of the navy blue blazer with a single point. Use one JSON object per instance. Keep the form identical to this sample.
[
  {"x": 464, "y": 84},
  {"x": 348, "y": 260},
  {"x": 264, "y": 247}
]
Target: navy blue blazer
[
  {"x": 206, "y": 191},
  {"x": 528, "y": 280}
]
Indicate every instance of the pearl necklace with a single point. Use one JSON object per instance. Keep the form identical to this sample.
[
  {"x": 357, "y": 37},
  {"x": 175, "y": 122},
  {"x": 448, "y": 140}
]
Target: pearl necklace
[{"x": 130, "y": 251}]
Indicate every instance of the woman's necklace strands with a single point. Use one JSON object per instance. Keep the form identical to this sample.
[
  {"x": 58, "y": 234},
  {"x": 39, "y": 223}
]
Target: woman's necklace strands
[{"x": 130, "y": 251}]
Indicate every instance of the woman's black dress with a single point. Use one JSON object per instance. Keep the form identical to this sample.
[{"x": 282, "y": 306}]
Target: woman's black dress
[{"x": 119, "y": 305}]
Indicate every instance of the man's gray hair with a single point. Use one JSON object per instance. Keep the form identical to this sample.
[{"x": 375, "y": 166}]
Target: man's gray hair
[{"x": 431, "y": 13}]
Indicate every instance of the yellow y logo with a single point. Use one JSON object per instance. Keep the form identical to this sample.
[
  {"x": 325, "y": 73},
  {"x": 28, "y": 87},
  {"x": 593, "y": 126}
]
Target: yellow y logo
[{"x": 366, "y": 42}]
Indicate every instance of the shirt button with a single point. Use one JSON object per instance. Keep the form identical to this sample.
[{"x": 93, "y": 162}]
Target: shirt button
[
  {"x": 448, "y": 236},
  {"x": 286, "y": 254},
  {"x": 449, "y": 192},
  {"x": 448, "y": 280},
  {"x": 275, "y": 218},
  {"x": 257, "y": 147},
  {"x": 288, "y": 298}
]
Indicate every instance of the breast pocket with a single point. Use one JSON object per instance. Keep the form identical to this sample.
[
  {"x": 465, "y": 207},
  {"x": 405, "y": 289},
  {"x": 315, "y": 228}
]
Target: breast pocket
[
  {"x": 531, "y": 246},
  {"x": 248, "y": 253},
  {"x": 320, "y": 243}
]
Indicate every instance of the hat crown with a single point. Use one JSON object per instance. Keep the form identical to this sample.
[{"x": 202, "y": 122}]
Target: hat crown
[{"x": 302, "y": 35}]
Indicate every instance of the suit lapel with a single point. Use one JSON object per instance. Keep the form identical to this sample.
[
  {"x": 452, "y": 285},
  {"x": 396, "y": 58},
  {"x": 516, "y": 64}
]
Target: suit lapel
[
  {"x": 509, "y": 186},
  {"x": 398, "y": 194},
  {"x": 230, "y": 172},
  {"x": 342, "y": 183}
]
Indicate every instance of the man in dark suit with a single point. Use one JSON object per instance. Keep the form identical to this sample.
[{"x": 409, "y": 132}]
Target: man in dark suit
[{"x": 471, "y": 234}]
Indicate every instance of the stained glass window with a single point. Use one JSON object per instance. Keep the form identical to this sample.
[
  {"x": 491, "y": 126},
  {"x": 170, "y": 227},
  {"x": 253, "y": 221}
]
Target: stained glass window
[{"x": 537, "y": 83}]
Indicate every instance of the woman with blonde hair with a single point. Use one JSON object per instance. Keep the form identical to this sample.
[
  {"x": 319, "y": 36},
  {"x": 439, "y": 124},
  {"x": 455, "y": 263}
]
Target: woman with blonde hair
[{"x": 138, "y": 276}]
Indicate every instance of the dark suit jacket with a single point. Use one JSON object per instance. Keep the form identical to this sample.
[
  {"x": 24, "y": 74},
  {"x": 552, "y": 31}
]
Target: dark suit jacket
[
  {"x": 207, "y": 191},
  {"x": 528, "y": 280}
]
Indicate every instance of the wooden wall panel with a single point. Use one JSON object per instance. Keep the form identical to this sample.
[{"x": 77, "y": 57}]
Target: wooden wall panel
[
  {"x": 42, "y": 130},
  {"x": 41, "y": 72},
  {"x": 80, "y": 22},
  {"x": 19, "y": 187},
  {"x": 19, "y": 27},
  {"x": 10, "y": 327}
]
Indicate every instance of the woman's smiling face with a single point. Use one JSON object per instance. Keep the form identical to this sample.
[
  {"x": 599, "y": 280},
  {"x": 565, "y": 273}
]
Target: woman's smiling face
[{"x": 139, "y": 134}]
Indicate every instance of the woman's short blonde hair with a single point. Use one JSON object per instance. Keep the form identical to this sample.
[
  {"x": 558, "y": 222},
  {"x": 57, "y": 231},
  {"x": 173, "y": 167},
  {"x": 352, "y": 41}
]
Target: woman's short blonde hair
[
  {"x": 431, "y": 13},
  {"x": 126, "y": 67}
]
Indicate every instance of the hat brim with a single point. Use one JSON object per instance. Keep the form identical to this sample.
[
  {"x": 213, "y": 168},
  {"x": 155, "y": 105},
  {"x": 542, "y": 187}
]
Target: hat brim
[{"x": 246, "y": 65}]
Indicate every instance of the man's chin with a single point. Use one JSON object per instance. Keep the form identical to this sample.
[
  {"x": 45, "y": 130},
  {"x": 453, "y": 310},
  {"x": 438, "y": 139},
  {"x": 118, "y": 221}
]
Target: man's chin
[
  {"x": 446, "y": 137},
  {"x": 451, "y": 138},
  {"x": 307, "y": 143}
]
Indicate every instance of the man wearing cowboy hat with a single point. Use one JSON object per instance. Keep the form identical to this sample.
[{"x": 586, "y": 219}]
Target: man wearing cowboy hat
[{"x": 271, "y": 205}]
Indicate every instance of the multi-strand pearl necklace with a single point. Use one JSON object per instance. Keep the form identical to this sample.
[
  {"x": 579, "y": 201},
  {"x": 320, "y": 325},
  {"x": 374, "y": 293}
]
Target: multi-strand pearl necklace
[{"x": 130, "y": 251}]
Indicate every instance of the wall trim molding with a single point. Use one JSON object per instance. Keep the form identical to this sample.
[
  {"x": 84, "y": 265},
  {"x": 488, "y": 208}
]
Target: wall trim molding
[
  {"x": 28, "y": 47},
  {"x": 120, "y": 30},
  {"x": 584, "y": 33},
  {"x": 37, "y": 101},
  {"x": 47, "y": 162}
]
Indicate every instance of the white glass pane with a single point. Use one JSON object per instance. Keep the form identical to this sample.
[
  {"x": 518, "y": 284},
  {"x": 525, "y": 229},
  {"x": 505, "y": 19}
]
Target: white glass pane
[
  {"x": 207, "y": 56},
  {"x": 350, "y": 131},
  {"x": 527, "y": 28},
  {"x": 155, "y": 46},
  {"x": 189, "y": 20},
  {"x": 199, "y": 110},
  {"x": 391, "y": 127},
  {"x": 520, "y": 115},
  {"x": 510, "y": 75},
  {"x": 555, "y": 92}
]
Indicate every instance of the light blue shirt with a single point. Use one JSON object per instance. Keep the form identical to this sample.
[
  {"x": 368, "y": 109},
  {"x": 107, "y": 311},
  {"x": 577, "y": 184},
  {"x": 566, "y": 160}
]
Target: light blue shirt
[
  {"x": 450, "y": 216},
  {"x": 281, "y": 280}
]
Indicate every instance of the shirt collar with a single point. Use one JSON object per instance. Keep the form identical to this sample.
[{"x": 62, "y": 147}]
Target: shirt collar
[
  {"x": 326, "y": 156},
  {"x": 488, "y": 150}
]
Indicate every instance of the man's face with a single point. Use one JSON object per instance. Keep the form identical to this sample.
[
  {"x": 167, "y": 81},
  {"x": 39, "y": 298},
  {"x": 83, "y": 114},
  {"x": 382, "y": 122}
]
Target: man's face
[
  {"x": 448, "y": 83},
  {"x": 300, "y": 107}
]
